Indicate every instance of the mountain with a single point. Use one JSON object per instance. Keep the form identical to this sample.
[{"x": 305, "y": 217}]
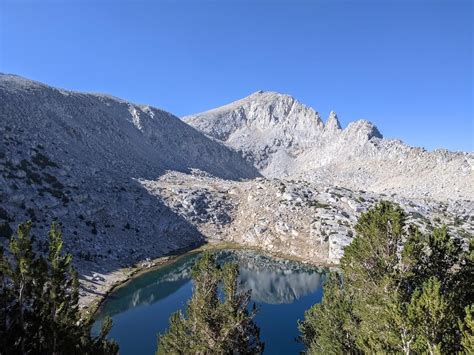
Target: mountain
[
  {"x": 284, "y": 138},
  {"x": 269, "y": 129},
  {"x": 131, "y": 182},
  {"x": 79, "y": 158},
  {"x": 117, "y": 134}
]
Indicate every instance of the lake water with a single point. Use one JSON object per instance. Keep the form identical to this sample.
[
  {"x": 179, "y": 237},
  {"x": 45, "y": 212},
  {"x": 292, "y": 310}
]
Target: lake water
[{"x": 281, "y": 289}]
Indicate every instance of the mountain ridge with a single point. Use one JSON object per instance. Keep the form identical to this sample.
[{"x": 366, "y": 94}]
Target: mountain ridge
[{"x": 284, "y": 138}]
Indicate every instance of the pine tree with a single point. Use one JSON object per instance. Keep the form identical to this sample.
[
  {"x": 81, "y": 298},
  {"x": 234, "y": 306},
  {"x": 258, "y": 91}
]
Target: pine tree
[
  {"x": 329, "y": 322},
  {"x": 429, "y": 312},
  {"x": 401, "y": 291},
  {"x": 467, "y": 330},
  {"x": 24, "y": 278},
  {"x": 5, "y": 301},
  {"x": 61, "y": 296},
  {"x": 212, "y": 325},
  {"x": 371, "y": 275},
  {"x": 39, "y": 298}
]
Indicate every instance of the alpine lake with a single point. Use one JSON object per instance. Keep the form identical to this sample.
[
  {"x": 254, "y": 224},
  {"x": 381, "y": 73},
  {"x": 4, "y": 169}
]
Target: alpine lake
[{"x": 281, "y": 289}]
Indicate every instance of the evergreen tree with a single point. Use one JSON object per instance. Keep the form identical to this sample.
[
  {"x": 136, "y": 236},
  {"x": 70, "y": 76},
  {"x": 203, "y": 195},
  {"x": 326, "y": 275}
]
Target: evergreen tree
[
  {"x": 329, "y": 322},
  {"x": 5, "y": 301},
  {"x": 23, "y": 280},
  {"x": 39, "y": 298},
  {"x": 401, "y": 291},
  {"x": 212, "y": 325},
  {"x": 467, "y": 330},
  {"x": 429, "y": 312}
]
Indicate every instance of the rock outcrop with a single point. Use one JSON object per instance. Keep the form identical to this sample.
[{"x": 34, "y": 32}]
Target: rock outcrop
[{"x": 295, "y": 218}]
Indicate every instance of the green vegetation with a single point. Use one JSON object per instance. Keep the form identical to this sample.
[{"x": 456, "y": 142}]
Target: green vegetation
[
  {"x": 39, "y": 312},
  {"x": 399, "y": 291},
  {"x": 212, "y": 325}
]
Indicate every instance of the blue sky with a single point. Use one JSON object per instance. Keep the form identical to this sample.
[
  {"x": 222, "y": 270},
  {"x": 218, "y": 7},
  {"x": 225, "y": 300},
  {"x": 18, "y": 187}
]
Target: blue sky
[{"x": 405, "y": 65}]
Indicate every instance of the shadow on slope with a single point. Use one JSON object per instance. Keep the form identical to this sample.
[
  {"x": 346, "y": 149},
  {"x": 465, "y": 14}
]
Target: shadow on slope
[{"x": 77, "y": 158}]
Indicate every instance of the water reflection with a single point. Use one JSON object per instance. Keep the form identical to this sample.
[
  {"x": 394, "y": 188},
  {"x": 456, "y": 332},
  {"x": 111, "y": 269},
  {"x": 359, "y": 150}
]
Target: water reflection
[
  {"x": 282, "y": 290},
  {"x": 272, "y": 281},
  {"x": 275, "y": 287},
  {"x": 150, "y": 287}
]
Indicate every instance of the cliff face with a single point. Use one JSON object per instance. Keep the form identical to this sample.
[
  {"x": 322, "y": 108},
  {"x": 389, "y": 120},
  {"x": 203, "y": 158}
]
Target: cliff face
[{"x": 286, "y": 139}]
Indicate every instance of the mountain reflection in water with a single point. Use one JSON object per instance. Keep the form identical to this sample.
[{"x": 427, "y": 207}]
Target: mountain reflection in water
[{"x": 155, "y": 295}]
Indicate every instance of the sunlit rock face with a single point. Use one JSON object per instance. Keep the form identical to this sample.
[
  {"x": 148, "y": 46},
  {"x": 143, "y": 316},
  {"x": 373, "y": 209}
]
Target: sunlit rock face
[{"x": 284, "y": 138}]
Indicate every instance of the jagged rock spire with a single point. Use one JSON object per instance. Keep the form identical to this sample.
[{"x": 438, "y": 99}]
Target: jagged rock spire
[{"x": 332, "y": 124}]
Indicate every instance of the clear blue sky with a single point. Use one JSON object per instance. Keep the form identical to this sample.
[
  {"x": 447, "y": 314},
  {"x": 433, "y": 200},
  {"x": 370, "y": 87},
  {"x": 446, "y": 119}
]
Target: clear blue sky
[{"x": 406, "y": 65}]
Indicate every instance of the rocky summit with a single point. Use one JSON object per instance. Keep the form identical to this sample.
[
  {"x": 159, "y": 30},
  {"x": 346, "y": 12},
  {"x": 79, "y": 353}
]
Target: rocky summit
[
  {"x": 285, "y": 139},
  {"x": 131, "y": 182}
]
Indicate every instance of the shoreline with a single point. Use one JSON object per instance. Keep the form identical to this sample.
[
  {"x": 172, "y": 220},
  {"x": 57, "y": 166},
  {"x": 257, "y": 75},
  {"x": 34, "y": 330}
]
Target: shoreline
[{"x": 91, "y": 303}]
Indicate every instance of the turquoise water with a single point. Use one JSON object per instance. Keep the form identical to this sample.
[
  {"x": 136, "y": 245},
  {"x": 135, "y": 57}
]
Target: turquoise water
[{"x": 282, "y": 290}]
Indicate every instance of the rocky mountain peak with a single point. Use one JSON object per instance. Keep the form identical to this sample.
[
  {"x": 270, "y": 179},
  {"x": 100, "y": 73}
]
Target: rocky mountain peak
[
  {"x": 363, "y": 129},
  {"x": 263, "y": 107},
  {"x": 332, "y": 123},
  {"x": 284, "y": 138},
  {"x": 260, "y": 124}
]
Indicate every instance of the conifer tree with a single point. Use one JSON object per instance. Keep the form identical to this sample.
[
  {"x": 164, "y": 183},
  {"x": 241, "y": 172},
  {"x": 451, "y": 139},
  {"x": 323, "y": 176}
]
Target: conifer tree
[
  {"x": 5, "y": 301},
  {"x": 212, "y": 325},
  {"x": 401, "y": 291},
  {"x": 24, "y": 279},
  {"x": 467, "y": 330},
  {"x": 39, "y": 297},
  {"x": 329, "y": 321},
  {"x": 429, "y": 312},
  {"x": 61, "y": 296}
]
